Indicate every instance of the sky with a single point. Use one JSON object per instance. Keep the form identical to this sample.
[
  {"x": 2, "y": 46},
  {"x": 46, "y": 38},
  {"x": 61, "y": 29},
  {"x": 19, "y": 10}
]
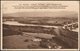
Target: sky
[{"x": 7, "y": 6}]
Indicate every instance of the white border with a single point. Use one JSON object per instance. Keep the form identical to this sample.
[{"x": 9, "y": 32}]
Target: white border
[
  {"x": 34, "y": 49},
  {"x": 1, "y": 28}
]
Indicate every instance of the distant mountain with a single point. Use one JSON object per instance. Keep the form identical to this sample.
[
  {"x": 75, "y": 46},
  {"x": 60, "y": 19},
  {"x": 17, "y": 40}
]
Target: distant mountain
[{"x": 43, "y": 14}]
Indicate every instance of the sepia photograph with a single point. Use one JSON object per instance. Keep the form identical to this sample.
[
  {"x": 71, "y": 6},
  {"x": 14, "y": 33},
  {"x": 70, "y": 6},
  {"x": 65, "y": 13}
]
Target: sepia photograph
[{"x": 40, "y": 25}]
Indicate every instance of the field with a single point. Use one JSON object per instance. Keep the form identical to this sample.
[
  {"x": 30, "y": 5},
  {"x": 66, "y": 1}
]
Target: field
[{"x": 58, "y": 21}]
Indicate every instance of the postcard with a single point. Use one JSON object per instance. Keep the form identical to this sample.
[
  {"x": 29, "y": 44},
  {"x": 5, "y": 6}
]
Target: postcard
[{"x": 40, "y": 25}]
